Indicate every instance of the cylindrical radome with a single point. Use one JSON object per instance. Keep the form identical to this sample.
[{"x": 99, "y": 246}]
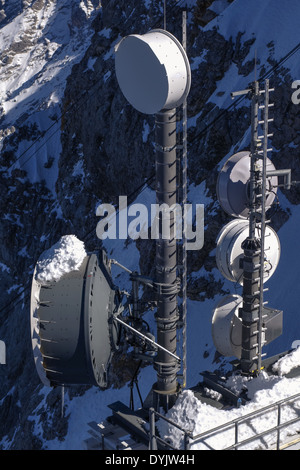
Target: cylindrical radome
[
  {"x": 227, "y": 326},
  {"x": 73, "y": 332},
  {"x": 166, "y": 258},
  {"x": 230, "y": 254},
  {"x": 153, "y": 71},
  {"x": 233, "y": 185}
]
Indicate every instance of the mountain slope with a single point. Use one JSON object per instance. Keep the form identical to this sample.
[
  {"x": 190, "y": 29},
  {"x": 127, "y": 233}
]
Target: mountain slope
[{"x": 70, "y": 141}]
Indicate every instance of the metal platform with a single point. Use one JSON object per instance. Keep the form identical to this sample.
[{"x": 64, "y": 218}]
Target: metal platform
[
  {"x": 126, "y": 429},
  {"x": 111, "y": 436}
]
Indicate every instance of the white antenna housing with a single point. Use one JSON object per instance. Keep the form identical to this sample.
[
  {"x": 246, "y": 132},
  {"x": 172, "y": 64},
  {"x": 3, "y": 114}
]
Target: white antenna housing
[
  {"x": 153, "y": 71},
  {"x": 227, "y": 326},
  {"x": 233, "y": 185},
  {"x": 229, "y": 252}
]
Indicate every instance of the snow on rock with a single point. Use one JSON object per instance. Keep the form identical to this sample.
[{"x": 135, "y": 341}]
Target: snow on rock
[
  {"x": 197, "y": 417},
  {"x": 287, "y": 363},
  {"x": 65, "y": 256}
]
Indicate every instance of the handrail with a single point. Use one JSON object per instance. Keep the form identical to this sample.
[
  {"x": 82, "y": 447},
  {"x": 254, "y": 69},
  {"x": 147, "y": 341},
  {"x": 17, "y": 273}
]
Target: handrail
[
  {"x": 190, "y": 439},
  {"x": 249, "y": 415}
]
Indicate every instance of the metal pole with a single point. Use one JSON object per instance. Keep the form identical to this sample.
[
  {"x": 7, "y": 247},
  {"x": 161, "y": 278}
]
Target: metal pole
[
  {"x": 251, "y": 247},
  {"x": 153, "y": 443},
  {"x": 236, "y": 434},
  {"x": 166, "y": 258},
  {"x": 186, "y": 441},
  {"x": 278, "y": 424}
]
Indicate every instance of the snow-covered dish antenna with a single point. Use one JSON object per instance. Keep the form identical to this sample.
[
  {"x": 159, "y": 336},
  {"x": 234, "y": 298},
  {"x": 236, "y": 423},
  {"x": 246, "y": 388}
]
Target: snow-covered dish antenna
[
  {"x": 153, "y": 71},
  {"x": 73, "y": 301}
]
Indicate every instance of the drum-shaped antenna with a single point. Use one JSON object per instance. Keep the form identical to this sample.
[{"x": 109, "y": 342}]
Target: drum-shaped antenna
[
  {"x": 73, "y": 331},
  {"x": 233, "y": 185},
  {"x": 229, "y": 252},
  {"x": 227, "y": 326},
  {"x": 153, "y": 71}
]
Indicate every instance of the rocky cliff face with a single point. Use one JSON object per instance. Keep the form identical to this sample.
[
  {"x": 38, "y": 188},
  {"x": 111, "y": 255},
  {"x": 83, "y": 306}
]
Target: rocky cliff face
[{"x": 101, "y": 149}]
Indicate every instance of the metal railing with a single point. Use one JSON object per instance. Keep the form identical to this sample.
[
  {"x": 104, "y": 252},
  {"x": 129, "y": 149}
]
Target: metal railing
[{"x": 189, "y": 439}]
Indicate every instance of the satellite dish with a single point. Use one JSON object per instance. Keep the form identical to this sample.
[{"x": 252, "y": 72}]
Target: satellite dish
[
  {"x": 229, "y": 252},
  {"x": 233, "y": 185},
  {"x": 153, "y": 71},
  {"x": 227, "y": 326},
  {"x": 73, "y": 330}
]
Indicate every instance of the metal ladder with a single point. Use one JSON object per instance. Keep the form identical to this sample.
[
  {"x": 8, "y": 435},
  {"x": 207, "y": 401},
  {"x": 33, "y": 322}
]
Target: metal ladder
[
  {"x": 183, "y": 200},
  {"x": 258, "y": 220}
]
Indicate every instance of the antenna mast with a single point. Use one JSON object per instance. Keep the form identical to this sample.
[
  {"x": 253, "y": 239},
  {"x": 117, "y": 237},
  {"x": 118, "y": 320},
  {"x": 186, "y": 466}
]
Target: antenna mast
[
  {"x": 153, "y": 89},
  {"x": 248, "y": 249},
  {"x": 254, "y": 314}
]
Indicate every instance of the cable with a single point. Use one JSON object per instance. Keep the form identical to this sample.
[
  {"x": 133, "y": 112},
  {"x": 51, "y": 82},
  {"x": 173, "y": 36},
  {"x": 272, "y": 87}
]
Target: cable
[
  {"x": 242, "y": 97},
  {"x": 198, "y": 136},
  {"x": 138, "y": 190},
  {"x": 177, "y": 5}
]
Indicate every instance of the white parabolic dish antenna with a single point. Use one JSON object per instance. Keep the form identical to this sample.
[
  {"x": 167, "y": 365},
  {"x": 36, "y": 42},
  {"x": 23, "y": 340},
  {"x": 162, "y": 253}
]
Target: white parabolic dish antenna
[
  {"x": 229, "y": 251},
  {"x": 233, "y": 185},
  {"x": 153, "y": 71}
]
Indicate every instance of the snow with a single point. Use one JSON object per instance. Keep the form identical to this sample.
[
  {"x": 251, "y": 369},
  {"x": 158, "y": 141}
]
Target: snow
[
  {"x": 106, "y": 32},
  {"x": 32, "y": 84},
  {"x": 260, "y": 20},
  {"x": 197, "y": 417},
  {"x": 78, "y": 169},
  {"x": 146, "y": 131},
  {"x": 37, "y": 84},
  {"x": 4, "y": 268},
  {"x": 65, "y": 256},
  {"x": 196, "y": 61},
  {"x": 255, "y": 20},
  {"x": 218, "y": 6},
  {"x": 287, "y": 363},
  {"x": 91, "y": 63}
]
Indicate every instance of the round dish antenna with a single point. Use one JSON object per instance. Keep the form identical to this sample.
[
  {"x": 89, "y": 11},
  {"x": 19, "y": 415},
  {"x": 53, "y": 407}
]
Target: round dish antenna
[
  {"x": 73, "y": 330},
  {"x": 227, "y": 326},
  {"x": 230, "y": 254},
  {"x": 233, "y": 185},
  {"x": 153, "y": 71}
]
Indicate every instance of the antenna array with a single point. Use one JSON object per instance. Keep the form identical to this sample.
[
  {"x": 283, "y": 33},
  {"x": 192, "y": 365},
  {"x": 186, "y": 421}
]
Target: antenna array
[{"x": 248, "y": 250}]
